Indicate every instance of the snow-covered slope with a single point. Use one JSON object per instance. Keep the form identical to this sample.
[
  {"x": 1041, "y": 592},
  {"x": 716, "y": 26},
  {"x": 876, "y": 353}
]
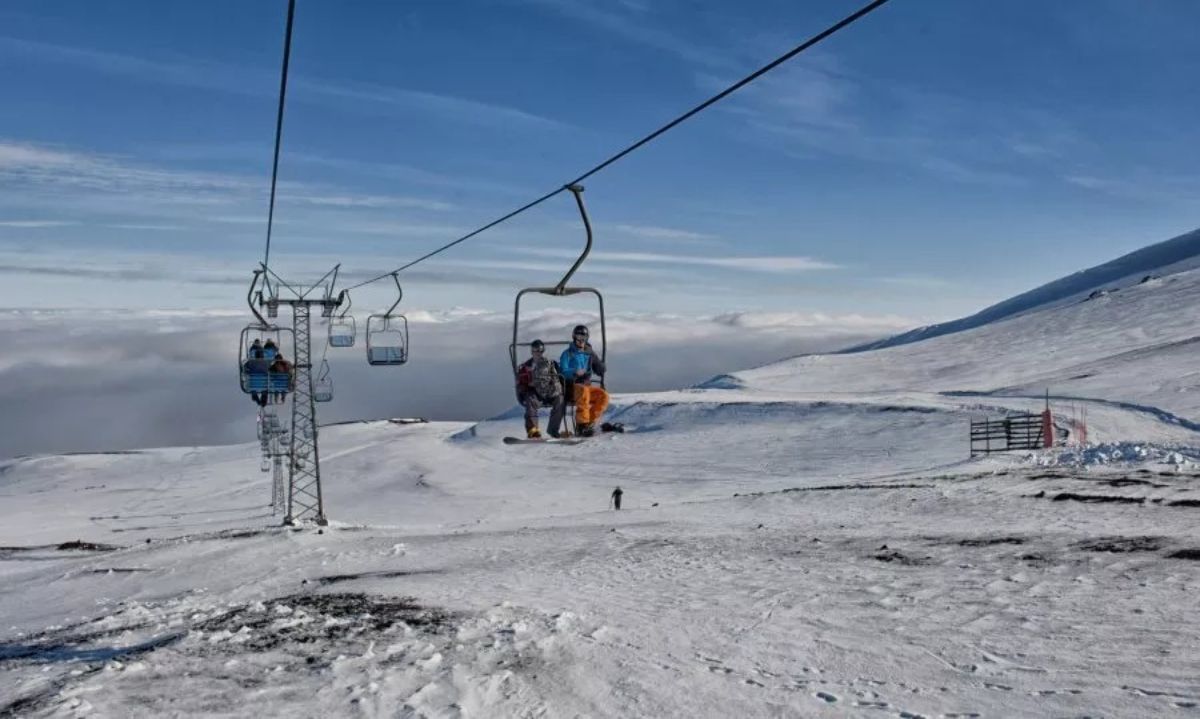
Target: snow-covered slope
[
  {"x": 804, "y": 539},
  {"x": 1175, "y": 255},
  {"x": 1132, "y": 348}
]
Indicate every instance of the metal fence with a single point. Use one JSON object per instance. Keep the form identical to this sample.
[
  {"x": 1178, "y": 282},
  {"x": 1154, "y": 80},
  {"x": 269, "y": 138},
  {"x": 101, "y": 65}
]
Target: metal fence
[{"x": 1014, "y": 432}]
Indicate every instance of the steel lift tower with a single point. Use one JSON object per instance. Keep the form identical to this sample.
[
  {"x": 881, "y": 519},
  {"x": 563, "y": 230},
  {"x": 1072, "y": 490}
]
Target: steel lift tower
[{"x": 304, "y": 499}]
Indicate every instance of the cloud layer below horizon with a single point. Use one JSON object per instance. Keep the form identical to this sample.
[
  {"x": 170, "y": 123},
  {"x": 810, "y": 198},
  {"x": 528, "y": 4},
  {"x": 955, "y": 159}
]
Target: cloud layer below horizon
[{"x": 79, "y": 381}]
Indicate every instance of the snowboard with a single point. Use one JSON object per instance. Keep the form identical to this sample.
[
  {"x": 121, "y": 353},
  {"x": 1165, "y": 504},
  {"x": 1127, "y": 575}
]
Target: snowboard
[
  {"x": 545, "y": 440},
  {"x": 606, "y": 428}
]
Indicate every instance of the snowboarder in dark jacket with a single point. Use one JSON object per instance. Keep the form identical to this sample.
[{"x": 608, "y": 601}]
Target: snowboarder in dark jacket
[{"x": 539, "y": 384}]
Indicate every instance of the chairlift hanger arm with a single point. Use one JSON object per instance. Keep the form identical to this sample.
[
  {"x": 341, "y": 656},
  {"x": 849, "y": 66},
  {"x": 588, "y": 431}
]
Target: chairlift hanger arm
[
  {"x": 395, "y": 276},
  {"x": 577, "y": 191},
  {"x": 250, "y": 297}
]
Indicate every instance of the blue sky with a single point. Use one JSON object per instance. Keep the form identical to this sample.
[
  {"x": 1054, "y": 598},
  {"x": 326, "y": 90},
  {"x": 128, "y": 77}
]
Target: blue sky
[{"x": 934, "y": 158}]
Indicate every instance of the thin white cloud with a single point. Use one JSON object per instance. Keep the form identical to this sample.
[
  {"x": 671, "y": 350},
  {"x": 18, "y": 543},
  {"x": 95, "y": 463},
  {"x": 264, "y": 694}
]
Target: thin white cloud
[
  {"x": 457, "y": 109},
  {"x": 919, "y": 282},
  {"x": 401, "y": 229},
  {"x": 369, "y": 201},
  {"x": 147, "y": 227},
  {"x": 769, "y": 264},
  {"x": 152, "y": 198},
  {"x": 1141, "y": 186},
  {"x": 34, "y": 224},
  {"x": 629, "y": 21},
  {"x": 24, "y": 163},
  {"x": 652, "y": 232},
  {"x": 191, "y": 72}
]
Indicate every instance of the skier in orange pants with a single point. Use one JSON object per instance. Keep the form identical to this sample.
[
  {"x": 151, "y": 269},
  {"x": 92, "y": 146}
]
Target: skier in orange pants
[{"x": 578, "y": 363}]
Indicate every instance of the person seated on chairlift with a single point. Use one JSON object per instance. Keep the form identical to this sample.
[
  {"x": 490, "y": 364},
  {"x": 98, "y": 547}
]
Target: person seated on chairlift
[
  {"x": 539, "y": 384},
  {"x": 579, "y": 362},
  {"x": 281, "y": 366},
  {"x": 256, "y": 364},
  {"x": 270, "y": 350}
]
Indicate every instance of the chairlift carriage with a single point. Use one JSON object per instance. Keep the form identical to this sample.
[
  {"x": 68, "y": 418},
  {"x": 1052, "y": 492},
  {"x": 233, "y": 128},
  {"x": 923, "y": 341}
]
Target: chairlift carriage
[
  {"x": 341, "y": 327},
  {"x": 254, "y": 373},
  {"x": 387, "y": 334},
  {"x": 323, "y": 387},
  {"x": 561, "y": 290}
]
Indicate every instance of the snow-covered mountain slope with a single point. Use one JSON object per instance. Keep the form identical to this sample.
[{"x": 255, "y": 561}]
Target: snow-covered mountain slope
[
  {"x": 1134, "y": 348},
  {"x": 1175, "y": 255},
  {"x": 804, "y": 539}
]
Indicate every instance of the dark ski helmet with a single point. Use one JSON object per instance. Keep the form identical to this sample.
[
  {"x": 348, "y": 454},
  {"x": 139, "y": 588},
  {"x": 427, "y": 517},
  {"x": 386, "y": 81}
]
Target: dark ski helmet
[
  {"x": 537, "y": 346},
  {"x": 579, "y": 330}
]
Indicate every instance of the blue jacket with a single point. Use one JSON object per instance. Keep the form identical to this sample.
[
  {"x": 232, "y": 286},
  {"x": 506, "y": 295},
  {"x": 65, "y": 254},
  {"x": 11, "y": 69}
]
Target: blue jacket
[{"x": 574, "y": 359}]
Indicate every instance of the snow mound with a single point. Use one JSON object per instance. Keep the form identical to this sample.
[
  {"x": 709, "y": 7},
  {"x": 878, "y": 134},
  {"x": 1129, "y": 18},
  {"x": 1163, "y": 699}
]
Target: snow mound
[{"x": 1122, "y": 454}]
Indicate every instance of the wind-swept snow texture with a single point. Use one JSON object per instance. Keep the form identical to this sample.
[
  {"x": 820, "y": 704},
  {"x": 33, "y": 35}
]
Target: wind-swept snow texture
[
  {"x": 801, "y": 540},
  {"x": 1175, "y": 255}
]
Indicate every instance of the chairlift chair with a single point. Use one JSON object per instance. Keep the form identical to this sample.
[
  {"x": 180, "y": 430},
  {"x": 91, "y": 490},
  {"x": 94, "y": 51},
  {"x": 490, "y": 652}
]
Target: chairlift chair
[
  {"x": 562, "y": 290},
  {"x": 342, "y": 329},
  {"x": 387, "y": 335},
  {"x": 254, "y": 373},
  {"x": 323, "y": 388}
]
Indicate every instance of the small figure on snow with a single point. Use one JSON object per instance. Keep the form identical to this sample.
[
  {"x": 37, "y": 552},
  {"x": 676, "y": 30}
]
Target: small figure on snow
[
  {"x": 539, "y": 384},
  {"x": 615, "y": 501},
  {"x": 578, "y": 363}
]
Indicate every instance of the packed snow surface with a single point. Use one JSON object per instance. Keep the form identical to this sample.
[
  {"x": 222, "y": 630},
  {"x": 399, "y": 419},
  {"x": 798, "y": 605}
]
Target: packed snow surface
[{"x": 805, "y": 539}]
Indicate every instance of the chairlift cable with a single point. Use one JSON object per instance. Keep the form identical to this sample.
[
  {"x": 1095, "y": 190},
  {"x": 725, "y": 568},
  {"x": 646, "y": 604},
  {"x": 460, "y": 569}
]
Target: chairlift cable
[
  {"x": 287, "y": 51},
  {"x": 841, "y": 24}
]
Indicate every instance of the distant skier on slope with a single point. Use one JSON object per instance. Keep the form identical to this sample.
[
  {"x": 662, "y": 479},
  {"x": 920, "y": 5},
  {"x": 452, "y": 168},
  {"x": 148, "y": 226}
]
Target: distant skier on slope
[
  {"x": 539, "y": 384},
  {"x": 578, "y": 363}
]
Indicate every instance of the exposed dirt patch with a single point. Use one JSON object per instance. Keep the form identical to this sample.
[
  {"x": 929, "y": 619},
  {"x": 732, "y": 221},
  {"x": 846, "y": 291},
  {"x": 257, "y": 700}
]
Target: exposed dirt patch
[
  {"x": 1128, "y": 482},
  {"x": 989, "y": 541},
  {"x": 836, "y": 488},
  {"x": 1184, "y": 503},
  {"x": 898, "y": 557},
  {"x": 1049, "y": 475},
  {"x": 1191, "y": 553},
  {"x": 1123, "y": 544},
  {"x": 316, "y": 620},
  {"x": 82, "y": 546},
  {"x": 1094, "y": 498},
  {"x": 339, "y": 578}
]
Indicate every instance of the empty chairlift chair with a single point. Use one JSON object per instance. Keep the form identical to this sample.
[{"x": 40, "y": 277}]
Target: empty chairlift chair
[
  {"x": 387, "y": 335},
  {"x": 323, "y": 388},
  {"x": 342, "y": 329}
]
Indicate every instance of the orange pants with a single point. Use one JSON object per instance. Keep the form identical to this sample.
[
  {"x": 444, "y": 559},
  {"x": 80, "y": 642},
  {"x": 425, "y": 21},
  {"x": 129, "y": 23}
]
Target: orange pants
[{"x": 590, "y": 403}]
